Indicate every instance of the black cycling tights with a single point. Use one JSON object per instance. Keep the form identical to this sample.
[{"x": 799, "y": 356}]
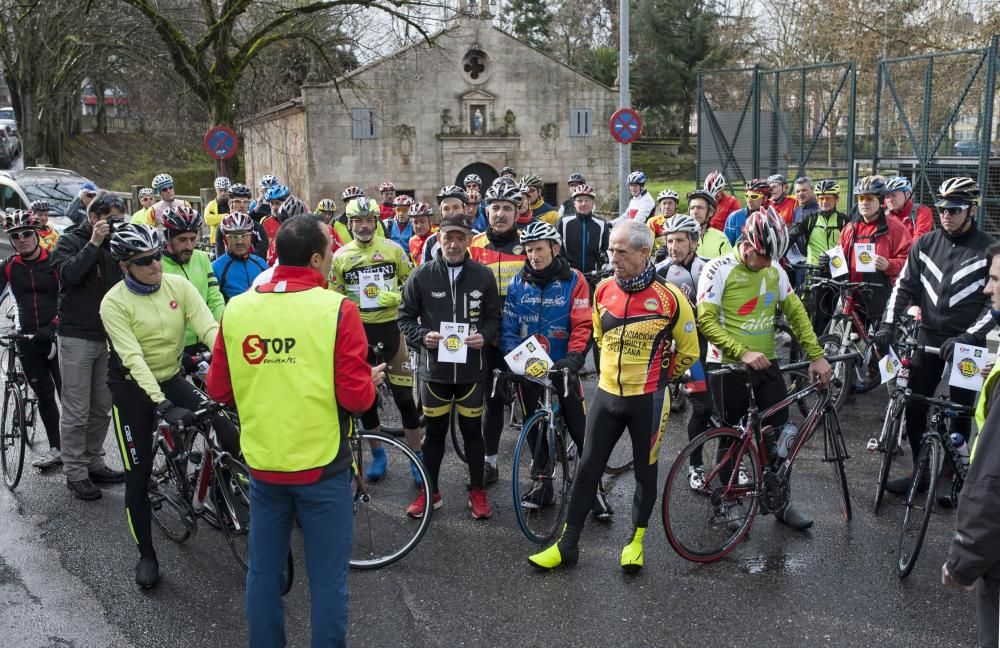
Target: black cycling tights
[
  {"x": 437, "y": 400},
  {"x": 44, "y": 378},
  {"x": 397, "y": 369},
  {"x": 645, "y": 416},
  {"x": 135, "y": 419}
]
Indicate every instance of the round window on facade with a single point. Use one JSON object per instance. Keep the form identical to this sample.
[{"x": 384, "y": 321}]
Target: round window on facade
[{"x": 476, "y": 66}]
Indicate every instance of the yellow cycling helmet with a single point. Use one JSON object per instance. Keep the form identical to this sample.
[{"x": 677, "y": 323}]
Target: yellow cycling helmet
[{"x": 326, "y": 205}]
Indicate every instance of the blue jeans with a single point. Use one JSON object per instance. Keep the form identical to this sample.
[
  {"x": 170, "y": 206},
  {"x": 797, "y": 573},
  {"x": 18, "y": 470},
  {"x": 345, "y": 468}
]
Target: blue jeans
[{"x": 325, "y": 512}]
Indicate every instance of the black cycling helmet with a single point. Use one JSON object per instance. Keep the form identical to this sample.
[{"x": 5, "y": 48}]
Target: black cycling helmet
[
  {"x": 958, "y": 192},
  {"x": 290, "y": 208},
  {"x": 240, "y": 191},
  {"x": 872, "y": 185},
  {"x": 453, "y": 191},
  {"x": 704, "y": 195}
]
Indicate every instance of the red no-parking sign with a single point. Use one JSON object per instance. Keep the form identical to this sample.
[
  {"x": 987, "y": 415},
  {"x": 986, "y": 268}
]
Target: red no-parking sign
[{"x": 626, "y": 125}]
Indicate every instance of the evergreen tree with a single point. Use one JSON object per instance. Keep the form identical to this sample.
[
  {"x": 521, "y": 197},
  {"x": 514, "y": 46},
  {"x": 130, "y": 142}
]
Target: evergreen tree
[{"x": 530, "y": 21}]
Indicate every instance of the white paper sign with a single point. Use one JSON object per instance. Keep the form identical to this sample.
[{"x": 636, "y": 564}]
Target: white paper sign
[
  {"x": 966, "y": 364},
  {"x": 864, "y": 257},
  {"x": 888, "y": 366},
  {"x": 452, "y": 347},
  {"x": 370, "y": 284},
  {"x": 529, "y": 358},
  {"x": 838, "y": 262}
]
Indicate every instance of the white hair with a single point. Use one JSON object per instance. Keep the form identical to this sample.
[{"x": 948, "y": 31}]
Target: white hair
[{"x": 639, "y": 234}]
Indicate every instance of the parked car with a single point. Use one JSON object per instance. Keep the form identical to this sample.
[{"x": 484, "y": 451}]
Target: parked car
[
  {"x": 13, "y": 142},
  {"x": 58, "y": 187},
  {"x": 7, "y": 112}
]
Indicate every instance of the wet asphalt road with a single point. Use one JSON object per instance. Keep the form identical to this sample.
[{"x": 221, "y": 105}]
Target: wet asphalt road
[{"x": 66, "y": 575}]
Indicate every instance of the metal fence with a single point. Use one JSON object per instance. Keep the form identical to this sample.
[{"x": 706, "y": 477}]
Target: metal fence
[
  {"x": 936, "y": 118},
  {"x": 928, "y": 117},
  {"x": 755, "y": 122}
]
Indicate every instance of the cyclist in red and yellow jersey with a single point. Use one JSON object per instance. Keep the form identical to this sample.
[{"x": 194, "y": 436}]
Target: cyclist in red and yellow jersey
[{"x": 638, "y": 316}]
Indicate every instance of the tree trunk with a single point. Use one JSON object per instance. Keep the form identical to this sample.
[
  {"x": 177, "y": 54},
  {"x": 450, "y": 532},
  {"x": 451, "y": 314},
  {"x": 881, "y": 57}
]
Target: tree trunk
[
  {"x": 685, "y": 146},
  {"x": 101, "y": 110}
]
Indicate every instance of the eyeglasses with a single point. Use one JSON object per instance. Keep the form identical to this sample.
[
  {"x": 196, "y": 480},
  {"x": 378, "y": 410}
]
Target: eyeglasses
[
  {"x": 146, "y": 260},
  {"x": 952, "y": 211},
  {"x": 238, "y": 236},
  {"x": 754, "y": 196},
  {"x": 20, "y": 236}
]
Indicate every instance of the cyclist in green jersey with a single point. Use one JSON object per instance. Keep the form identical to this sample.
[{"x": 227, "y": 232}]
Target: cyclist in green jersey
[
  {"x": 370, "y": 271},
  {"x": 738, "y": 296},
  {"x": 182, "y": 228},
  {"x": 144, "y": 317},
  {"x": 712, "y": 242}
]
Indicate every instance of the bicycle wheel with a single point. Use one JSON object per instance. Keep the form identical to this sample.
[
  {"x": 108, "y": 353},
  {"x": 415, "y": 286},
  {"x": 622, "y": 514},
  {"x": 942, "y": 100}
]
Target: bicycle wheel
[
  {"x": 30, "y": 419},
  {"x": 547, "y": 480},
  {"x": 389, "y": 418},
  {"x": 888, "y": 446},
  {"x": 835, "y": 453},
  {"x": 383, "y": 532},
  {"x": 170, "y": 508},
  {"x": 621, "y": 456},
  {"x": 704, "y": 525},
  {"x": 231, "y": 495},
  {"x": 839, "y": 382},
  {"x": 12, "y": 437},
  {"x": 918, "y": 505}
]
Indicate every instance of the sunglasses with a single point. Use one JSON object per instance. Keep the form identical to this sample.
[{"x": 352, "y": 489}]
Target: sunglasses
[
  {"x": 867, "y": 197},
  {"x": 754, "y": 196},
  {"x": 90, "y": 194},
  {"x": 952, "y": 211},
  {"x": 147, "y": 260},
  {"x": 20, "y": 236}
]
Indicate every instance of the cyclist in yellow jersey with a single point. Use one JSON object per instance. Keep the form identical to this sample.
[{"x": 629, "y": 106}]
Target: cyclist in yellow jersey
[
  {"x": 144, "y": 215},
  {"x": 638, "y": 318},
  {"x": 371, "y": 271},
  {"x": 712, "y": 242},
  {"x": 217, "y": 207},
  {"x": 144, "y": 317}
]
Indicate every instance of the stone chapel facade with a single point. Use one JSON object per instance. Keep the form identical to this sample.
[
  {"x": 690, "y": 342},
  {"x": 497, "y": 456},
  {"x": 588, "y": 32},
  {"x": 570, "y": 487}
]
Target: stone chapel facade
[{"x": 474, "y": 101}]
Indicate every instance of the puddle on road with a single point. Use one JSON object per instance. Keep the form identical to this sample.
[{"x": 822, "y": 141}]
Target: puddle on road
[{"x": 772, "y": 564}]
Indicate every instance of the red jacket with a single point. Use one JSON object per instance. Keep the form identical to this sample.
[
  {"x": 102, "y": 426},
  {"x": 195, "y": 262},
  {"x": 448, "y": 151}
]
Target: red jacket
[
  {"x": 786, "y": 209},
  {"x": 353, "y": 386},
  {"x": 891, "y": 239},
  {"x": 918, "y": 224},
  {"x": 727, "y": 205},
  {"x": 386, "y": 210}
]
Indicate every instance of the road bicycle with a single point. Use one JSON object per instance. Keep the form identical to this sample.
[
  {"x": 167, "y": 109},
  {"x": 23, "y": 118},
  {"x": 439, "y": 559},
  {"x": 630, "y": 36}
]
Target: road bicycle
[
  {"x": 545, "y": 458},
  {"x": 936, "y": 448},
  {"x": 747, "y": 470},
  {"x": 20, "y": 409},
  {"x": 194, "y": 478},
  {"x": 890, "y": 441},
  {"x": 845, "y": 334}
]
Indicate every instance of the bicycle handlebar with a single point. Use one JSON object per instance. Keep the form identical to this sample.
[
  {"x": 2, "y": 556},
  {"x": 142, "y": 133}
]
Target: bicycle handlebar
[
  {"x": 498, "y": 373},
  {"x": 739, "y": 367},
  {"x": 942, "y": 403}
]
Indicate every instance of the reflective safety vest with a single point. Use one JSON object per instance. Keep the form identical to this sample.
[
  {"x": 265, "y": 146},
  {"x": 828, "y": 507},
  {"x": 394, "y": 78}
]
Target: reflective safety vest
[
  {"x": 272, "y": 346},
  {"x": 984, "y": 396}
]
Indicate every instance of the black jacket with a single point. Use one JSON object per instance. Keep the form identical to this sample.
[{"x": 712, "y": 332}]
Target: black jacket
[
  {"x": 945, "y": 277},
  {"x": 585, "y": 242},
  {"x": 35, "y": 286},
  {"x": 429, "y": 298},
  {"x": 975, "y": 547},
  {"x": 87, "y": 274},
  {"x": 76, "y": 212}
]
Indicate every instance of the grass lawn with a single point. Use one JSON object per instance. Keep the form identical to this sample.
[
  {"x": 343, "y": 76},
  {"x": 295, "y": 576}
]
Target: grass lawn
[{"x": 682, "y": 187}]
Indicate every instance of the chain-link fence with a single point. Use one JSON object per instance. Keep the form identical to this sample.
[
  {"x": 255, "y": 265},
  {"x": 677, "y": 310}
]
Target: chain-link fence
[
  {"x": 928, "y": 117},
  {"x": 936, "y": 119},
  {"x": 797, "y": 121}
]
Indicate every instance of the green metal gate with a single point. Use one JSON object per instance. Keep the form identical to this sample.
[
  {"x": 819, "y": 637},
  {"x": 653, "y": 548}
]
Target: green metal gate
[
  {"x": 936, "y": 118},
  {"x": 755, "y": 122}
]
